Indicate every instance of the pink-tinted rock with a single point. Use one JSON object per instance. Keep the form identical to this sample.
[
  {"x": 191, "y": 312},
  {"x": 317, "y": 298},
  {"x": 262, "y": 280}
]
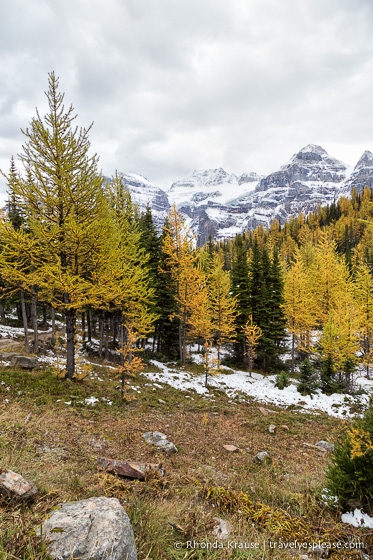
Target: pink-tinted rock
[{"x": 14, "y": 486}]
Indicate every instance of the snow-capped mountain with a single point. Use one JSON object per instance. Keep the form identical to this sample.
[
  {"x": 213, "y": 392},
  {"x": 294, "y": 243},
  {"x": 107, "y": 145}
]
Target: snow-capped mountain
[
  {"x": 220, "y": 204},
  {"x": 211, "y": 186},
  {"x": 362, "y": 175},
  {"x": 143, "y": 193}
]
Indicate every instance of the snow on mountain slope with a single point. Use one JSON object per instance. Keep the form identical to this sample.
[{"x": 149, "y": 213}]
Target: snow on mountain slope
[
  {"x": 143, "y": 192},
  {"x": 212, "y": 185},
  {"x": 219, "y": 204}
]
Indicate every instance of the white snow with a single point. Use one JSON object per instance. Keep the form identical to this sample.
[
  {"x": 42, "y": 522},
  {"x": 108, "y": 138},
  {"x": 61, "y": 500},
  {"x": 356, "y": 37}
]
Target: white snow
[
  {"x": 239, "y": 384},
  {"x": 91, "y": 400},
  {"x": 358, "y": 519}
]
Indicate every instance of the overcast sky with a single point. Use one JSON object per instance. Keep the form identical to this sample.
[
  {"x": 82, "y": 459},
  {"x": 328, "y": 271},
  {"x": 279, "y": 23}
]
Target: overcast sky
[{"x": 177, "y": 85}]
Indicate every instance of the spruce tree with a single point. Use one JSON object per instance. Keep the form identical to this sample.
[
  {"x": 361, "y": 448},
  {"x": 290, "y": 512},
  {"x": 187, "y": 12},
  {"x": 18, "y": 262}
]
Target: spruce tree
[
  {"x": 167, "y": 325},
  {"x": 241, "y": 291},
  {"x": 308, "y": 379}
]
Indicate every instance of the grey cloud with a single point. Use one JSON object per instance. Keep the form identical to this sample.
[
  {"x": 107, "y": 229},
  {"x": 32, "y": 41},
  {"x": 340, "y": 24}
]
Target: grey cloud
[{"x": 173, "y": 86}]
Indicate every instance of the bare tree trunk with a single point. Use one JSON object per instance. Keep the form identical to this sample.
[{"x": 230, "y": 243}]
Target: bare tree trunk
[
  {"x": 114, "y": 324},
  {"x": 24, "y": 318},
  {"x": 89, "y": 325},
  {"x": 70, "y": 316},
  {"x": 121, "y": 338},
  {"x": 292, "y": 352},
  {"x": 101, "y": 341},
  {"x": 2, "y": 312},
  {"x": 34, "y": 322},
  {"x": 106, "y": 327},
  {"x": 83, "y": 327},
  {"x": 53, "y": 317}
]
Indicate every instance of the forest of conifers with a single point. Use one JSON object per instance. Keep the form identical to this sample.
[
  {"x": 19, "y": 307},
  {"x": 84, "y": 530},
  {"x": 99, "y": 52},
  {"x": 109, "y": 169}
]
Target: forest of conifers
[{"x": 74, "y": 244}]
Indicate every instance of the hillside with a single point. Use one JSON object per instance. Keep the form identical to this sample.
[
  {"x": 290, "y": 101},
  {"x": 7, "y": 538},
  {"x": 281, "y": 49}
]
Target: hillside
[{"x": 53, "y": 431}]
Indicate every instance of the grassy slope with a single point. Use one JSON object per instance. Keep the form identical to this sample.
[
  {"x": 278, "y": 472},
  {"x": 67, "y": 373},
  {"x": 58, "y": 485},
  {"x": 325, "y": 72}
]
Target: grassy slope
[{"x": 58, "y": 446}]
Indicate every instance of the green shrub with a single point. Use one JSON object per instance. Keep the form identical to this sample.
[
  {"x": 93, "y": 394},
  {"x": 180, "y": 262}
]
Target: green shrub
[
  {"x": 282, "y": 380},
  {"x": 308, "y": 379},
  {"x": 349, "y": 474}
]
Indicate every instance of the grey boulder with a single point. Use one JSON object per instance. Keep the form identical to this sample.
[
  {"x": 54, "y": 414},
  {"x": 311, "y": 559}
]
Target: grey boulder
[
  {"x": 160, "y": 440},
  {"x": 92, "y": 529},
  {"x": 24, "y": 362}
]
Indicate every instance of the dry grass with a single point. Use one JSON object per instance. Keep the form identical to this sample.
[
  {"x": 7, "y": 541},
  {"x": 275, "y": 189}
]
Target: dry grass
[{"x": 57, "y": 449}]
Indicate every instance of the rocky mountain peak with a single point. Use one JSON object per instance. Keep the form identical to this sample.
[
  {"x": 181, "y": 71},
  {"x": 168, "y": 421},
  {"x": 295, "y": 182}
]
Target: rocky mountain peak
[
  {"x": 366, "y": 160},
  {"x": 313, "y": 154}
]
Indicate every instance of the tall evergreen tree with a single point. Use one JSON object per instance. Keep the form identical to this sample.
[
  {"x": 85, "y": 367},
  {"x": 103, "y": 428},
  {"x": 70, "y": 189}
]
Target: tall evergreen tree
[{"x": 241, "y": 291}]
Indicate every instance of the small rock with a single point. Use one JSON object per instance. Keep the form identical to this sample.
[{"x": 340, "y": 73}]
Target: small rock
[
  {"x": 14, "y": 486},
  {"x": 325, "y": 445},
  {"x": 129, "y": 469},
  {"x": 231, "y": 448},
  {"x": 161, "y": 401},
  {"x": 222, "y": 529},
  {"x": 266, "y": 411},
  {"x": 262, "y": 457},
  {"x": 285, "y": 427},
  {"x": 160, "y": 440},
  {"x": 272, "y": 429},
  {"x": 92, "y": 529},
  {"x": 24, "y": 362}
]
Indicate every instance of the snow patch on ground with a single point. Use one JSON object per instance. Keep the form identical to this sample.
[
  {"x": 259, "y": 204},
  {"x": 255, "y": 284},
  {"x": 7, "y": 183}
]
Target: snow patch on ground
[
  {"x": 261, "y": 388},
  {"x": 358, "y": 519}
]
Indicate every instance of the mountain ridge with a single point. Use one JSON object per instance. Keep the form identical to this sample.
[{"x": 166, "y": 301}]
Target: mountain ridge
[{"x": 220, "y": 204}]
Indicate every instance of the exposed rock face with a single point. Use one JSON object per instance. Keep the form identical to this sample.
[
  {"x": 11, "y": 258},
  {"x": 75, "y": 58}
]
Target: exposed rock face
[
  {"x": 362, "y": 175},
  {"x": 310, "y": 178},
  {"x": 219, "y": 204},
  {"x": 143, "y": 193},
  {"x": 92, "y": 529}
]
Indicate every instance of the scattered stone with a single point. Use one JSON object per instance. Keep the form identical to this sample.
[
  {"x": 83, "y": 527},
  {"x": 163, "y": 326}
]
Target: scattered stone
[
  {"x": 262, "y": 457},
  {"x": 231, "y": 448},
  {"x": 14, "y": 486},
  {"x": 58, "y": 452},
  {"x": 28, "y": 418},
  {"x": 222, "y": 529},
  {"x": 272, "y": 429},
  {"x": 266, "y": 411},
  {"x": 98, "y": 443},
  {"x": 160, "y": 440},
  {"x": 129, "y": 469},
  {"x": 321, "y": 450},
  {"x": 92, "y": 529},
  {"x": 285, "y": 427},
  {"x": 325, "y": 445},
  {"x": 161, "y": 401},
  {"x": 24, "y": 362}
]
